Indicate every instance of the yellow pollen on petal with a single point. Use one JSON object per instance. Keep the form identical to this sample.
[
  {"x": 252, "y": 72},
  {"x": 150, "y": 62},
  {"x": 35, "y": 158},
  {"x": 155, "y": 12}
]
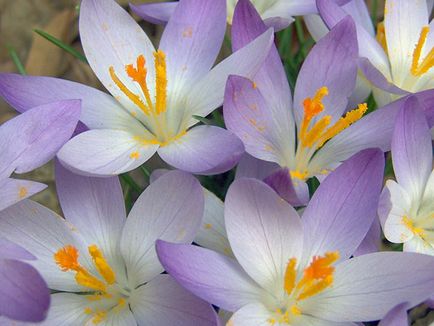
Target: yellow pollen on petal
[
  {"x": 99, "y": 317},
  {"x": 22, "y": 192},
  {"x": 381, "y": 35},
  {"x": 101, "y": 264},
  {"x": 419, "y": 68},
  {"x": 135, "y": 155},
  {"x": 408, "y": 222},
  {"x": 296, "y": 174}
]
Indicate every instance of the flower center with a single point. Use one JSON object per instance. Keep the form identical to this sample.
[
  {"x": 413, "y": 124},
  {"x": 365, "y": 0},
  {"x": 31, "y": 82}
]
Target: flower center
[
  {"x": 311, "y": 138},
  {"x": 419, "y": 68},
  {"x": 101, "y": 289},
  {"x": 317, "y": 277},
  {"x": 422, "y": 226}
]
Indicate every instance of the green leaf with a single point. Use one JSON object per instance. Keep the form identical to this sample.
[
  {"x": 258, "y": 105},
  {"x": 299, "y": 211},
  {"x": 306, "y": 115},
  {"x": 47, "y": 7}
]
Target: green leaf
[
  {"x": 62, "y": 45},
  {"x": 16, "y": 60},
  {"x": 130, "y": 181},
  {"x": 205, "y": 121},
  {"x": 313, "y": 184}
]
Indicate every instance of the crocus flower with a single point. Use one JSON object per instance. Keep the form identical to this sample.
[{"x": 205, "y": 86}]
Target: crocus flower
[
  {"x": 276, "y": 13},
  {"x": 24, "y": 295},
  {"x": 31, "y": 140},
  {"x": 312, "y": 135},
  {"x": 104, "y": 265},
  {"x": 407, "y": 206},
  {"x": 292, "y": 271},
  {"x": 400, "y": 58},
  {"x": 155, "y": 92}
]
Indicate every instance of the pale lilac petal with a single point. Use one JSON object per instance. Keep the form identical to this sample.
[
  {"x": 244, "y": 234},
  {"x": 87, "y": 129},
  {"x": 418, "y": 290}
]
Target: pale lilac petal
[
  {"x": 203, "y": 150},
  {"x": 105, "y": 152},
  {"x": 299, "y": 7},
  {"x": 34, "y": 137},
  {"x": 23, "y": 293},
  {"x": 192, "y": 41},
  {"x": 372, "y": 242},
  {"x": 253, "y": 314},
  {"x": 214, "y": 277},
  {"x": 367, "y": 287},
  {"x": 412, "y": 153},
  {"x": 98, "y": 110},
  {"x": 282, "y": 184},
  {"x": 111, "y": 37},
  {"x": 278, "y": 23},
  {"x": 208, "y": 93},
  {"x": 264, "y": 230},
  {"x": 251, "y": 167},
  {"x": 250, "y": 117},
  {"x": 156, "y": 13},
  {"x": 162, "y": 301},
  {"x": 68, "y": 308},
  {"x": 10, "y": 250},
  {"x": 332, "y": 63},
  {"x": 15, "y": 190},
  {"x": 343, "y": 208},
  {"x": 171, "y": 208},
  {"x": 396, "y": 317}
]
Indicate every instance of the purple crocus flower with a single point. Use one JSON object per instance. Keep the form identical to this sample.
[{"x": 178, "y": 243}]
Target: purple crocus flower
[
  {"x": 31, "y": 140},
  {"x": 310, "y": 136},
  {"x": 297, "y": 271},
  {"x": 155, "y": 92},
  {"x": 406, "y": 208},
  {"x": 276, "y": 13},
  {"x": 104, "y": 265}
]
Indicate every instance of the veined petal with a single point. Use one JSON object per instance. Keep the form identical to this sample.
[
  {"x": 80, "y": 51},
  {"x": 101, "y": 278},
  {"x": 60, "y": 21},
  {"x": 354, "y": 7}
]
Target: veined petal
[
  {"x": 412, "y": 154},
  {"x": 264, "y": 231},
  {"x": 156, "y": 13},
  {"x": 207, "y": 94},
  {"x": 214, "y": 277},
  {"x": 338, "y": 49},
  {"x": 15, "y": 190},
  {"x": 106, "y": 152},
  {"x": 163, "y": 301},
  {"x": 343, "y": 208},
  {"x": 372, "y": 241},
  {"x": 111, "y": 38},
  {"x": 367, "y": 287},
  {"x": 397, "y": 316},
  {"x": 33, "y": 138},
  {"x": 68, "y": 308},
  {"x": 251, "y": 167},
  {"x": 252, "y": 314},
  {"x": 24, "y": 295},
  {"x": 10, "y": 250},
  {"x": 203, "y": 150},
  {"x": 171, "y": 208}
]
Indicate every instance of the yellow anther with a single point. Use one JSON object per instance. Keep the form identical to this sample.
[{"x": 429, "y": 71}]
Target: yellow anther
[
  {"x": 101, "y": 264},
  {"x": 381, "y": 35},
  {"x": 161, "y": 81},
  {"x": 290, "y": 276},
  {"x": 87, "y": 280},
  {"x": 295, "y": 310},
  {"x": 67, "y": 258},
  {"x": 419, "y": 68},
  {"x": 315, "y": 288},
  {"x": 301, "y": 175}
]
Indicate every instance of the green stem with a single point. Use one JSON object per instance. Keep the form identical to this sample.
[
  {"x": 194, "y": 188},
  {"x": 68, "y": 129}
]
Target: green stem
[
  {"x": 16, "y": 60},
  {"x": 130, "y": 181}
]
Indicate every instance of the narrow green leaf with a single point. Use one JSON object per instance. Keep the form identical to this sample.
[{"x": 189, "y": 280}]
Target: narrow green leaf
[
  {"x": 202, "y": 119},
  {"x": 218, "y": 118},
  {"x": 374, "y": 12},
  {"x": 145, "y": 171},
  {"x": 16, "y": 60},
  {"x": 130, "y": 181},
  {"x": 313, "y": 184},
  {"x": 61, "y": 45}
]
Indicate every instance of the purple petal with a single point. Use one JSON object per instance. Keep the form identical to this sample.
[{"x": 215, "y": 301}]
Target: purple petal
[
  {"x": 34, "y": 137},
  {"x": 412, "y": 148},
  {"x": 251, "y": 167},
  {"x": 15, "y": 190},
  {"x": 343, "y": 208},
  {"x": 396, "y": 317},
  {"x": 162, "y": 301},
  {"x": 251, "y": 118},
  {"x": 156, "y": 13},
  {"x": 24, "y": 295},
  {"x": 211, "y": 276},
  {"x": 372, "y": 242},
  {"x": 281, "y": 183},
  {"x": 377, "y": 78},
  {"x": 171, "y": 208},
  {"x": 367, "y": 287},
  {"x": 204, "y": 150},
  {"x": 192, "y": 41},
  {"x": 331, "y": 63},
  {"x": 10, "y": 250},
  {"x": 264, "y": 231}
]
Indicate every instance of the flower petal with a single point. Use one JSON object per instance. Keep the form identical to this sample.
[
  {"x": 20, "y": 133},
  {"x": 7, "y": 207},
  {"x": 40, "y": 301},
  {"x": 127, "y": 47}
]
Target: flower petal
[
  {"x": 34, "y": 137},
  {"x": 343, "y": 208},
  {"x": 156, "y": 13},
  {"x": 264, "y": 231},
  {"x": 214, "y": 277},
  {"x": 251, "y": 167},
  {"x": 171, "y": 208},
  {"x": 162, "y": 301},
  {"x": 253, "y": 314},
  {"x": 372, "y": 242},
  {"x": 10, "y": 250},
  {"x": 68, "y": 308},
  {"x": 207, "y": 94},
  {"x": 15, "y": 190},
  {"x": 203, "y": 150},
  {"x": 412, "y": 154},
  {"x": 397, "y": 316},
  {"x": 105, "y": 152},
  {"x": 24, "y": 295},
  {"x": 338, "y": 49},
  {"x": 367, "y": 287}
]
